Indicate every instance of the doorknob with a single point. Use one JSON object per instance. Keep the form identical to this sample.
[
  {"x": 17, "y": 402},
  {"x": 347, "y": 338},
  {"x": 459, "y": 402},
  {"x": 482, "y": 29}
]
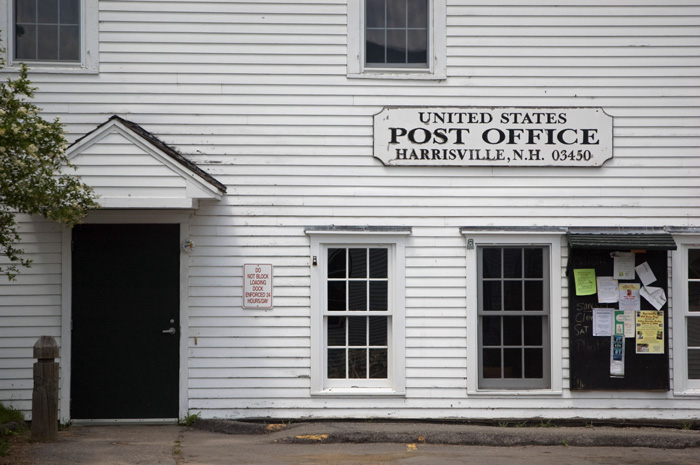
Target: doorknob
[{"x": 169, "y": 331}]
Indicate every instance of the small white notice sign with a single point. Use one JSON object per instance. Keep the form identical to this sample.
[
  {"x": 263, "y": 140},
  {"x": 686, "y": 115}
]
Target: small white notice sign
[{"x": 257, "y": 286}]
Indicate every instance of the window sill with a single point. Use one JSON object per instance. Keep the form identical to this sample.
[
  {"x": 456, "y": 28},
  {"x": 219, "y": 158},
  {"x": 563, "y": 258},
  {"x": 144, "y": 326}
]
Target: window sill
[
  {"x": 687, "y": 393},
  {"x": 43, "y": 68},
  {"x": 355, "y": 392},
  {"x": 514, "y": 393},
  {"x": 426, "y": 76}
]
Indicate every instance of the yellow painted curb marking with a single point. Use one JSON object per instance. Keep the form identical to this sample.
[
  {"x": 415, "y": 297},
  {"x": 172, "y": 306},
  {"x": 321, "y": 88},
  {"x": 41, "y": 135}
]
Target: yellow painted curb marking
[
  {"x": 276, "y": 427},
  {"x": 313, "y": 437}
]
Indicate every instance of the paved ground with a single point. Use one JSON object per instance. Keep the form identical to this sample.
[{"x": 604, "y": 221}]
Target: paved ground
[{"x": 367, "y": 443}]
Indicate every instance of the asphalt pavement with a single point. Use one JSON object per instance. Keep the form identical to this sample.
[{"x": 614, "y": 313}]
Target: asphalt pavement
[{"x": 213, "y": 442}]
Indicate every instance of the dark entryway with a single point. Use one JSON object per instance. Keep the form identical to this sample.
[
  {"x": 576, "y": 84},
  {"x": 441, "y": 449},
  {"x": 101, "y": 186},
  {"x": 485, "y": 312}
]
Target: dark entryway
[{"x": 126, "y": 328}]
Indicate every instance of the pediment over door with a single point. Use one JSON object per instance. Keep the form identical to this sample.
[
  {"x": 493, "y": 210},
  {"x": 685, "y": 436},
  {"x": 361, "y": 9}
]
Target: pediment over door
[{"x": 128, "y": 167}]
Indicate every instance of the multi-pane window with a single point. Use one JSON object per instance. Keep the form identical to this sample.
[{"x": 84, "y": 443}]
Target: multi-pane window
[
  {"x": 693, "y": 315},
  {"x": 513, "y": 310},
  {"x": 357, "y": 314},
  {"x": 396, "y": 33},
  {"x": 47, "y": 30}
]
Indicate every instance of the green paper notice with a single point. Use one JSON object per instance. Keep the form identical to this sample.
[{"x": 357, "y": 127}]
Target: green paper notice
[{"x": 585, "y": 281}]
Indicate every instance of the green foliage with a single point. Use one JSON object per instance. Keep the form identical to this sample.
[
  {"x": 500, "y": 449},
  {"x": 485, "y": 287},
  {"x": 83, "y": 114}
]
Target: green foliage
[
  {"x": 33, "y": 170},
  {"x": 189, "y": 419},
  {"x": 687, "y": 426},
  {"x": 10, "y": 415}
]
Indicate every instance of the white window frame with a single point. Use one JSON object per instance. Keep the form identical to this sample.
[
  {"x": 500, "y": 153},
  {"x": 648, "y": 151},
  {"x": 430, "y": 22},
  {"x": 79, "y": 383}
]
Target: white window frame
[
  {"x": 503, "y": 238},
  {"x": 395, "y": 384},
  {"x": 437, "y": 49},
  {"x": 89, "y": 40},
  {"x": 682, "y": 386}
]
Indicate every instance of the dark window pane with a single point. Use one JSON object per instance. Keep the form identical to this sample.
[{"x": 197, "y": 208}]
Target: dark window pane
[
  {"x": 378, "y": 295},
  {"x": 70, "y": 43},
  {"x": 70, "y": 12},
  {"x": 418, "y": 13},
  {"x": 534, "y": 298},
  {"x": 375, "y": 47},
  {"x": 534, "y": 363},
  {"x": 533, "y": 263},
  {"x": 491, "y": 260},
  {"x": 533, "y": 330},
  {"x": 396, "y": 13},
  {"x": 417, "y": 42},
  {"x": 492, "y": 295},
  {"x": 396, "y": 46},
  {"x": 512, "y": 363},
  {"x": 378, "y": 331},
  {"x": 336, "y": 331},
  {"x": 336, "y": 363},
  {"x": 378, "y": 263},
  {"x": 358, "y": 295},
  {"x": 25, "y": 11},
  {"x": 693, "y": 332},
  {"x": 378, "y": 364},
  {"x": 336, "y": 295},
  {"x": 512, "y": 263},
  {"x": 357, "y": 363},
  {"x": 492, "y": 363},
  {"x": 693, "y": 364},
  {"x": 694, "y": 297},
  {"x": 512, "y": 332},
  {"x": 336, "y": 263},
  {"x": 357, "y": 329},
  {"x": 694, "y": 264},
  {"x": 25, "y": 42},
  {"x": 48, "y": 43},
  {"x": 48, "y": 11},
  {"x": 491, "y": 330},
  {"x": 358, "y": 263},
  {"x": 374, "y": 10},
  {"x": 512, "y": 295}
]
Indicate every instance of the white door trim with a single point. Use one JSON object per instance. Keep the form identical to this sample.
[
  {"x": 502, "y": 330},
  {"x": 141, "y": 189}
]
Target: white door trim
[{"x": 123, "y": 217}]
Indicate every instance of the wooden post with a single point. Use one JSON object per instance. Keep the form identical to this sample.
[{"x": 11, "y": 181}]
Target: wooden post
[{"x": 45, "y": 394}]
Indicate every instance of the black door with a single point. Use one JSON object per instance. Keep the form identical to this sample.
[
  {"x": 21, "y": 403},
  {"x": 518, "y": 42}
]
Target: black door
[{"x": 126, "y": 328}]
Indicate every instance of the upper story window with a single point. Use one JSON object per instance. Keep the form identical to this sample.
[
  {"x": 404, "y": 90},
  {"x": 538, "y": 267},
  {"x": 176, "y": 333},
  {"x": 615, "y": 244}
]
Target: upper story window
[
  {"x": 47, "y": 30},
  {"x": 396, "y": 39},
  {"x": 51, "y": 35},
  {"x": 396, "y": 33}
]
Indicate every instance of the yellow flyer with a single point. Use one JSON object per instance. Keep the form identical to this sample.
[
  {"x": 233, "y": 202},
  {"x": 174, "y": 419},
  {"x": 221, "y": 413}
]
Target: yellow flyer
[{"x": 650, "y": 332}]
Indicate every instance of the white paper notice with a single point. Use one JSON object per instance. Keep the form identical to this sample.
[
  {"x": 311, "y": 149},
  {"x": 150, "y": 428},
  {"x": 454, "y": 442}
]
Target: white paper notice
[
  {"x": 602, "y": 321},
  {"x": 654, "y": 295},
  {"x": 623, "y": 265},
  {"x": 628, "y": 319},
  {"x": 645, "y": 274},
  {"x": 608, "y": 292},
  {"x": 629, "y": 296}
]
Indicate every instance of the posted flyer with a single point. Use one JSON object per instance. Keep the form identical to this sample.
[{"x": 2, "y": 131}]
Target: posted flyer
[{"x": 650, "y": 332}]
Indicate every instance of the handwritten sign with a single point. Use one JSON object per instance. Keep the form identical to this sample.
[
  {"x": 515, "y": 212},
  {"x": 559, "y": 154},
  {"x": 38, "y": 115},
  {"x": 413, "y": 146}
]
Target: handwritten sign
[
  {"x": 585, "y": 281},
  {"x": 257, "y": 286}
]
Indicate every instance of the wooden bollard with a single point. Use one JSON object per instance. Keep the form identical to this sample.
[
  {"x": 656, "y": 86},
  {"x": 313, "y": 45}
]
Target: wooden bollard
[{"x": 45, "y": 394}]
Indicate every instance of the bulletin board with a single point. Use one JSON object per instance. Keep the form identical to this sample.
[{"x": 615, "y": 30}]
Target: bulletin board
[{"x": 589, "y": 355}]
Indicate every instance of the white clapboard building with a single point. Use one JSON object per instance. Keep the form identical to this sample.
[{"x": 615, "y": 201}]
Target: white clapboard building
[{"x": 429, "y": 209}]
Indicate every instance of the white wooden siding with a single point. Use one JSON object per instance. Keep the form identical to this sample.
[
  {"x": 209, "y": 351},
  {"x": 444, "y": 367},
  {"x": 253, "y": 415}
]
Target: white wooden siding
[{"x": 256, "y": 93}]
